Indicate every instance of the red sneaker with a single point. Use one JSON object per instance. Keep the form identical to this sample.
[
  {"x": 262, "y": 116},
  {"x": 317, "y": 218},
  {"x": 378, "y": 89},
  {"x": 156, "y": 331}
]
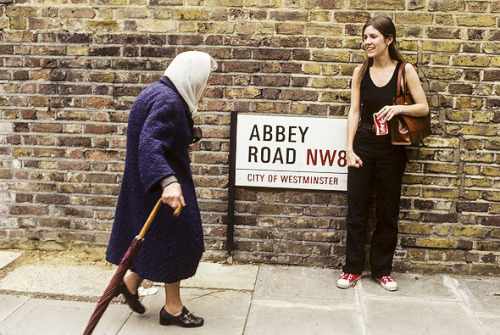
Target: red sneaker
[
  {"x": 388, "y": 283},
  {"x": 347, "y": 280}
]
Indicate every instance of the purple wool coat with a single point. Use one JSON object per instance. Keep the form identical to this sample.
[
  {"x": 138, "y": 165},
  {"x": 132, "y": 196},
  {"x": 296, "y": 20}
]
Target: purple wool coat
[{"x": 158, "y": 137}]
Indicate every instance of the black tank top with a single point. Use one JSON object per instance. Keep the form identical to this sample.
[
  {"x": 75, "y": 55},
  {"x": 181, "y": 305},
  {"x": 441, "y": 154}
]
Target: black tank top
[{"x": 373, "y": 98}]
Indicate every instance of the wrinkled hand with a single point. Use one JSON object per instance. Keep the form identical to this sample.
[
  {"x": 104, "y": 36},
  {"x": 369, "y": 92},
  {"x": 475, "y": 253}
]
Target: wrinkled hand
[
  {"x": 172, "y": 195},
  {"x": 354, "y": 160},
  {"x": 388, "y": 112}
]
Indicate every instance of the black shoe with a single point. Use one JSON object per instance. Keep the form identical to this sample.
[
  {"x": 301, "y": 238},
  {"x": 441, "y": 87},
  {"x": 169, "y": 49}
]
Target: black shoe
[
  {"x": 131, "y": 299},
  {"x": 185, "y": 319}
]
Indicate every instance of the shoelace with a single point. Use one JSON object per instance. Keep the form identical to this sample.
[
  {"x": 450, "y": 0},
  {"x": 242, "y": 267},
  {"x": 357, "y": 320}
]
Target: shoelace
[
  {"x": 348, "y": 276},
  {"x": 386, "y": 279}
]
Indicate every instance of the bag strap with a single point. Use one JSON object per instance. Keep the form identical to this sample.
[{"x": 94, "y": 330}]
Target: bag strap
[{"x": 401, "y": 80}]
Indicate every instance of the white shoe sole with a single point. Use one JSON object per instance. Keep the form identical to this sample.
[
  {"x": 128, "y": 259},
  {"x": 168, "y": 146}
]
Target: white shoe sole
[
  {"x": 348, "y": 285},
  {"x": 388, "y": 288}
]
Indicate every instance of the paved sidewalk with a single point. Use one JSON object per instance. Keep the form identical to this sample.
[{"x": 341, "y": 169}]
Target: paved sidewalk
[{"x": 250, "y": 299}]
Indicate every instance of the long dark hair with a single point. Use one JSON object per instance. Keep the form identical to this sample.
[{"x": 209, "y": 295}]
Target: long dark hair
[{"x": 385, "y": 26}]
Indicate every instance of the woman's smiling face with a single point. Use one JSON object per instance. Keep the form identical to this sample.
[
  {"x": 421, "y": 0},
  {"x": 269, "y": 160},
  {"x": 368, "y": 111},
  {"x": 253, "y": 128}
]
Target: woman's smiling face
[{"x": 374, "y": 43}]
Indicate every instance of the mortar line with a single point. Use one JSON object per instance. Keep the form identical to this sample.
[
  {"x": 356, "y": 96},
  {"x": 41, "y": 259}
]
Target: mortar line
[
  {"x": 452, "y": 283},
  {"x": 123, "y": 324},
  {"x": 358, "y": 293},
  {"x": 15, "y": 310},
  {"x": 251, "y": 299}
]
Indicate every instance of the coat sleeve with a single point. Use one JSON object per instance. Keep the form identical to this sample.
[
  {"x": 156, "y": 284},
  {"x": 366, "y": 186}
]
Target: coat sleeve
[{"x": 157, "y": 136}]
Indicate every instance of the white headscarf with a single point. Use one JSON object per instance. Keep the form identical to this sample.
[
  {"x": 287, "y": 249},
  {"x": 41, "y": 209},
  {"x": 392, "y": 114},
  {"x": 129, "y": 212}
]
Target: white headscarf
[{"x": 189, "y": 72}]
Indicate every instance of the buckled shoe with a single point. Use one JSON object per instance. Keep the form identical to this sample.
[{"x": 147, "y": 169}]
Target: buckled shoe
[{"x": 186, "y": 319}]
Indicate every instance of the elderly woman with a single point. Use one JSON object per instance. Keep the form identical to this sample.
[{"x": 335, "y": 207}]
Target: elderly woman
[{"x": 160, "y": 132}]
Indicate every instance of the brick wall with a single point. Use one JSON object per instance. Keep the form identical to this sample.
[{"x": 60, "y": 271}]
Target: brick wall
[{"x": 70, "y": 69}]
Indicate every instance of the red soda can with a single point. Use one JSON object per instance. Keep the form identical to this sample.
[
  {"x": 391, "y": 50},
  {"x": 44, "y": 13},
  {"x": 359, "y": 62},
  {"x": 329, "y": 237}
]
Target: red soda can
[{"x": 380, "y": 127}]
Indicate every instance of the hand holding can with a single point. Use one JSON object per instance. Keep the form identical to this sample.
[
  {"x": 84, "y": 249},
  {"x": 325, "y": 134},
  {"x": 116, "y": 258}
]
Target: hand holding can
[{"x": 380, "y": 126}]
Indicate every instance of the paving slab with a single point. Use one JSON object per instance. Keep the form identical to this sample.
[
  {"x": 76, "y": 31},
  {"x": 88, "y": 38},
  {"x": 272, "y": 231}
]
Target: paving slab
[
  {"x": 214, "y": 275},
  {"x": 56, "y": 317},
  {"x": 66, "y": 280},
  {"x": 254, "y": 299},
  {"x": 490, "y": 325},
  {"x": 9, "y": 304},
  {"x": 286, "y": 319},
  {"x": 417, "y": 317},
  {"x": 7, "y": 257},
  {"x": 302, "y": 285},
  {"x": 225, "y": 312},
  {"x": 482, "y": 295},
  {"x": 413, "y": 286}
]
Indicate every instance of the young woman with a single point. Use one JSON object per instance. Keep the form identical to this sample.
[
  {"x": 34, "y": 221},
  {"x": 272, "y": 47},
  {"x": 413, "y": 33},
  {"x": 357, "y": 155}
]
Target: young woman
[
  {"x": 159, "y": 134},
  {"x": 372, "y": 159}
]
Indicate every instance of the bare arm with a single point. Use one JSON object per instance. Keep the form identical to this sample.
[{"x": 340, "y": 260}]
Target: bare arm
[
  {"x": 353, "y": 119},
  {"x": 420, "y": 108}
]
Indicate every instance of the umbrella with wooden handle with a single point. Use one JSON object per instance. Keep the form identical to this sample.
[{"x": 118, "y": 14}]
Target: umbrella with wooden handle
[{"x": 124, "y": 265}]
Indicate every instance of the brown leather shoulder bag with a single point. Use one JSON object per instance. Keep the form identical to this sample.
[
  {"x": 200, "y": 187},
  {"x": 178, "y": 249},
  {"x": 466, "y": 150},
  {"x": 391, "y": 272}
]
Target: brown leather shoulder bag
[{"x": 405, "y": 129}]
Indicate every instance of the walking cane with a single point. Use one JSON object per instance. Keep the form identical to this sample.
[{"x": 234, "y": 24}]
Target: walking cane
[{"x": 124, "y": 265}]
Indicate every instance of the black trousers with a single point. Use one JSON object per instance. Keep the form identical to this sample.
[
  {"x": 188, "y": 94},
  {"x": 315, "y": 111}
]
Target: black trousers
[{"x": 383, "y": 168}]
